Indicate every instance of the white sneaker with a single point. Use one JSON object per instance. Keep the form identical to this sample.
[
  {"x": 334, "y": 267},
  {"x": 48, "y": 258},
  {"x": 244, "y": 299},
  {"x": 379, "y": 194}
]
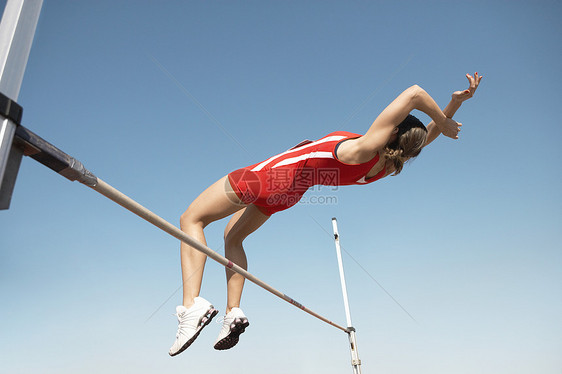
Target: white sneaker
[
  {"x": 191, "y": 322},
  {"x": 234, "y": 324}
]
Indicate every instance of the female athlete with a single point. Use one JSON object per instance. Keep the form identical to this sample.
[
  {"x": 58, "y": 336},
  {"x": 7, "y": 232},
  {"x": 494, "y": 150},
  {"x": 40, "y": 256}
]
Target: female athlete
[{"x": 254, "y": 193}]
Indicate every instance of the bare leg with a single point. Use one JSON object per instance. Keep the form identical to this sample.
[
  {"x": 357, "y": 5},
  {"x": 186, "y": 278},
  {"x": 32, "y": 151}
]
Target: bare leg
[
  {"x": 242, "y": 224},
  {"x": 216, "y": 202}
]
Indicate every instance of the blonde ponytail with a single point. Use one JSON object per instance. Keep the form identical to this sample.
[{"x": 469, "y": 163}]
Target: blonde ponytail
[{"x": 395, "y": 156}]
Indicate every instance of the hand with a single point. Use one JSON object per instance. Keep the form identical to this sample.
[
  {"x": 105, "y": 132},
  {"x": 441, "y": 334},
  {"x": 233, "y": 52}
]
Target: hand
[
  {"x": 474, "y": 81},
  {"x": 449, "y": 127}
]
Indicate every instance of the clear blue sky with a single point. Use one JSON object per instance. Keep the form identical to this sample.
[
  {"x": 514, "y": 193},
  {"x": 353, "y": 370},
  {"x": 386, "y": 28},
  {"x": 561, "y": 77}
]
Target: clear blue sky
[{"x": 160, "y": 99}]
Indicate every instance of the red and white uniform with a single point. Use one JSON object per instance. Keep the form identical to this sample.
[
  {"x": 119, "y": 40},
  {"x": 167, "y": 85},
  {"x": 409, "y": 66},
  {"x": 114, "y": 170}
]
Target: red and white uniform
[{"x": 280, "y": 181}]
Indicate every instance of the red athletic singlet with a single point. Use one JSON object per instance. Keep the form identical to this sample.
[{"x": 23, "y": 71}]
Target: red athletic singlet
[{"x": 280, "y": 181}]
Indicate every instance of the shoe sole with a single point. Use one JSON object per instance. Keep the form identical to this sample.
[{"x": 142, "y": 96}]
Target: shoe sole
[
  {"x": 205, "y": 320},
  {"x": 237, "y": 327}
]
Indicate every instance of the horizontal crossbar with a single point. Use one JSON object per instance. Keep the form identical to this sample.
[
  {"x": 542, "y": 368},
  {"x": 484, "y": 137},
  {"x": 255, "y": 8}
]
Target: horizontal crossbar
[{"x": 72, "y": 169}]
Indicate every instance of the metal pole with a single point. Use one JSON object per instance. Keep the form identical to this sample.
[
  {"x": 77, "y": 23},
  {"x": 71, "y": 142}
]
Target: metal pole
[
  {"x": 342, "y": 276},
  {"x": 355, "y": 361},
  {"x": 72, "y": 169},
  {"x": 17, "y": 29}
]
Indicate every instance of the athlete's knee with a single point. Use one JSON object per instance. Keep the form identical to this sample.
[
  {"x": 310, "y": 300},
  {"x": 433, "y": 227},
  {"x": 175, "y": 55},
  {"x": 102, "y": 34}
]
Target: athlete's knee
[
  {"x": 191, "y": 218},
  {"x": 233, "y": 239}
]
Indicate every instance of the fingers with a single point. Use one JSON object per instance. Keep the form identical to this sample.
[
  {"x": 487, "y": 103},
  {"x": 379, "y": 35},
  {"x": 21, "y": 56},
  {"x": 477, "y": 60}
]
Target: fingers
[
  {"x": 452, "y": 136},
  {"x": 474, "y": 81},
  {"x": 477, "y": 78},
  {"x": 459, "y": 125},
  {"x": 458, "y": 129},
  {"x": 453, "y": 132}
]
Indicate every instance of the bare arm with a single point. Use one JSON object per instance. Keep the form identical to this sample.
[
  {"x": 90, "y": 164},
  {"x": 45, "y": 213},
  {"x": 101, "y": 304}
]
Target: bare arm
[
  {"x": 457, "y": 99},
  {"x": 380, "y": 132},
  {"x": 432, "y": 130}
]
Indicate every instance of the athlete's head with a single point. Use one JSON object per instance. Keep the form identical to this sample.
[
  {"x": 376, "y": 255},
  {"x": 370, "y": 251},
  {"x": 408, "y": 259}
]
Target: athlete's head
[{"x": 410, "y": 138}]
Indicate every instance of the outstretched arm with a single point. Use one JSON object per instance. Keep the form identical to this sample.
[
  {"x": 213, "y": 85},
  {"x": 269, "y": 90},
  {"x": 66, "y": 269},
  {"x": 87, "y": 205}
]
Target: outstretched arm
[{"x": 457, "y": 99}]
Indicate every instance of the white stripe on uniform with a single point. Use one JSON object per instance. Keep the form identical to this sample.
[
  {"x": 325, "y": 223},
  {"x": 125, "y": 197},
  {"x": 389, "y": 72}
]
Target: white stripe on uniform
[
  {"x": 328, "y": 139},
  {"x": 294, "y": 160}
]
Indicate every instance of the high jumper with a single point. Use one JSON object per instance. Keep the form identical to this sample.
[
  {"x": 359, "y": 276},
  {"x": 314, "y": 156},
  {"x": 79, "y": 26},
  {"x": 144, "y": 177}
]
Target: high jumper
[{"x": 252, "y": 194}]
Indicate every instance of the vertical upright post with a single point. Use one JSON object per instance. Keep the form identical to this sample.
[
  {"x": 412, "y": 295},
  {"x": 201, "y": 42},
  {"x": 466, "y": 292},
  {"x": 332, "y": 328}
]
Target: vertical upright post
[
  {"x": 17, "y": 30},
  {"x": 355, "y": 361}
]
